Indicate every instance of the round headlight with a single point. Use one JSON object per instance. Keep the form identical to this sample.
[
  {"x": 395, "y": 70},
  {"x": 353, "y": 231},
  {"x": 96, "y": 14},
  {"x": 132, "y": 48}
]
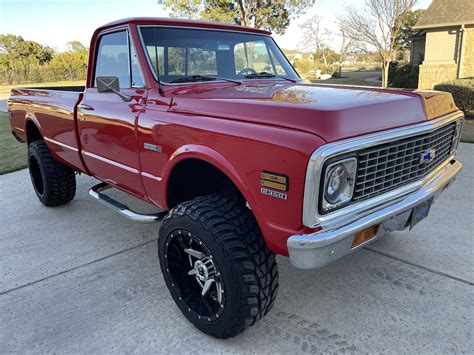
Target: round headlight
[{"x": 336, "y": 183}]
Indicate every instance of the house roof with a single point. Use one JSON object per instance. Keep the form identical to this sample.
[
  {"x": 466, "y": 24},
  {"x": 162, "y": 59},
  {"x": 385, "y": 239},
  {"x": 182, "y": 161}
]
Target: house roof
[{"x": 445, "y": 13}]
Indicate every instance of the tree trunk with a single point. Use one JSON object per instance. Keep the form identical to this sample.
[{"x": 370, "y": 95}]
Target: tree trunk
[
  {"x": 242, "y": 13},
  {"x": 385, "y": 66},
  {"x": 325, "y": 60}
]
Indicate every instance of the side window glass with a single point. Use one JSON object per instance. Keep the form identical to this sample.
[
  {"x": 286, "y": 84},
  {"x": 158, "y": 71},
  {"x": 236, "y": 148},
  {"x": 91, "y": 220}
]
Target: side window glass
[
  {"x": 112, "y": 58},
  {"x": 137, "y": 78}
]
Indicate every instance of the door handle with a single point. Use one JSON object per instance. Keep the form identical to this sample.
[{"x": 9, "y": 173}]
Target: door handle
[{"x": 85, "y": 107}]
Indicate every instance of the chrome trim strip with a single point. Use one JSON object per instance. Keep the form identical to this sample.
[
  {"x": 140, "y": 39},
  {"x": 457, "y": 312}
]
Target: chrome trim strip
[
  {"x": 311, "y": 216},
  {"x": 315, "y": 250},
  {"x": 208, "y": 29},
  {"x": 111, "y": 162},
  {"x": 150, "y": 176},
  {"x": 60, "y": 144}
]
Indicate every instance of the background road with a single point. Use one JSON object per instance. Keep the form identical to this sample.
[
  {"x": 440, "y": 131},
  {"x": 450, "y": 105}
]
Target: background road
[
  {"x": 3, "y": 102},
  {"x": 80, "y": 278}
]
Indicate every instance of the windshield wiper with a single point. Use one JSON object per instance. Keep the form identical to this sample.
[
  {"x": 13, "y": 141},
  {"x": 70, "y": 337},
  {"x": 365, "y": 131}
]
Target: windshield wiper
[
  {"x": 195, "y": 78},
  {"x": 287, "y": 78},
  {"x": 264, "y": 74}
]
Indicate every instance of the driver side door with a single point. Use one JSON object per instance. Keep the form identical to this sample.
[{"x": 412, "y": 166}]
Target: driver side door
[{"x": 107, "y": 123}]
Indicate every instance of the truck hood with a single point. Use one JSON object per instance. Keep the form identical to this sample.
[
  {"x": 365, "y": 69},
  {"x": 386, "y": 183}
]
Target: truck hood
[{"x": 332, "y": 112}]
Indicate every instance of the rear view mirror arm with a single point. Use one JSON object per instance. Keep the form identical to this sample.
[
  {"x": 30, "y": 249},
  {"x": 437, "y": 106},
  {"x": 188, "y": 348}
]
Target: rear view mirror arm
[{"x": 124, "y": 97}]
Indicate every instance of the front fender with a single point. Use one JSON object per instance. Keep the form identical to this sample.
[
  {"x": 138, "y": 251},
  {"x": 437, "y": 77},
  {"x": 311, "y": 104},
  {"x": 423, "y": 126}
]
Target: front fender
[
  {"x": 275, "y": 234},
  {"x": 209, "y": 155}
]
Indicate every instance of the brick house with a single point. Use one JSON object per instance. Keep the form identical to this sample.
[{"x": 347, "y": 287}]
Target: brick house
[{"x": 444, "y": 42}]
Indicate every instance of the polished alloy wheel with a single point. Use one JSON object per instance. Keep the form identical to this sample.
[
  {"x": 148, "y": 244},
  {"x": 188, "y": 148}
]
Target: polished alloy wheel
[{"x": 194, "y": 274}]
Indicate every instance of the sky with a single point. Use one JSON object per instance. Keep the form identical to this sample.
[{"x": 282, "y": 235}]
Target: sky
[{"x": 56, "y": 22}]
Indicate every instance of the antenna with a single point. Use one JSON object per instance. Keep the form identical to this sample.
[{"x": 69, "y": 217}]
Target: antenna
[{"x": 160, "y": 89}]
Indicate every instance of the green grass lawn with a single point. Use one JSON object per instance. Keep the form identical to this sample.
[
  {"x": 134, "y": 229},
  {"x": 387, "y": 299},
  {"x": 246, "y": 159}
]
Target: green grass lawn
[
  {"x": 12, "y": 153},
  {"x": 5, "y": 89}
]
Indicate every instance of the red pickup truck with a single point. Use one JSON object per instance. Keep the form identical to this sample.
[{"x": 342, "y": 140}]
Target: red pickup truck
[{"x": 212, "y": 125}]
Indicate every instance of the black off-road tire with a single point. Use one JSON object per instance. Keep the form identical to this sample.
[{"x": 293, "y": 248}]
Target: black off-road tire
[
  {"x": 247, "y": 267},
  {"x": 54, "y": 182}
]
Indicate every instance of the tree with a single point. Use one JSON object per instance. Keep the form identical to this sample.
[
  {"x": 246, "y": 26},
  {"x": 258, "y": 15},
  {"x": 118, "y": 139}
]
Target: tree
[
  {"x": 347, "y": 45},
  {"x": 75, "y": 46},
  {"x": 316, "y": 38},
  {"x": 407, "y": 21},
  {"x": 378, "y": 24},
  {"x": 272, "y": 15},
  {"x": 21, "y": 59},
  {"x": 71, "y": 64}
]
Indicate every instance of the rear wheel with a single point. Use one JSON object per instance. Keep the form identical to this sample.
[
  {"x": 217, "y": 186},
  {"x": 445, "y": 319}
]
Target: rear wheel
[
  {"x": 54, "y": 182},
  {"x": 216, "y": 265}
]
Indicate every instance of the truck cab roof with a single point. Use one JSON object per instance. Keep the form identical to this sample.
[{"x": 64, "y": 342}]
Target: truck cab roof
[{"x": 162, "y": 21}]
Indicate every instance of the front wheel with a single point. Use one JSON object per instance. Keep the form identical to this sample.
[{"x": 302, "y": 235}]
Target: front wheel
[{"x": 216, "y": 265}]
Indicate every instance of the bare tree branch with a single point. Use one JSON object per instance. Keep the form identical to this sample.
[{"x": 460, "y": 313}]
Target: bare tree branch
[
  {"x": 316, "y": 38},
  {"x": 377, "y": 24}
]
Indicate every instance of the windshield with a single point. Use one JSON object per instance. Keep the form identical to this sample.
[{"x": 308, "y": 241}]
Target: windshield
[{"x": 187, "y": 55}]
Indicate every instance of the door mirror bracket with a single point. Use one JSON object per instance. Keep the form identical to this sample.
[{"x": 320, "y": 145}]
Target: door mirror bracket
[{"x": 111, "y": 84}]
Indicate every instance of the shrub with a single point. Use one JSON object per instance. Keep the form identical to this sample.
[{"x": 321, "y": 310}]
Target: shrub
[
  {"x": 462, "y": 91},
  {"x": 327, "y": 69},
  {"x": 392, "y": 69},
  {"x": 336, "y": 72},
  {"x": 406, "y": 77},
  {"x": 303, "y": 65}
]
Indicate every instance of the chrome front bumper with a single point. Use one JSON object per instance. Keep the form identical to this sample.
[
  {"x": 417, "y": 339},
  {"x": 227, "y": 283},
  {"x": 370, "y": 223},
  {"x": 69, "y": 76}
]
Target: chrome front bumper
[{"x": 312, "y": 251}]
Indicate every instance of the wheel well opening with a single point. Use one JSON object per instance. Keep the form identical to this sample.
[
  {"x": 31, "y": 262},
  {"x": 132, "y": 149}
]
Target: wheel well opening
[
  {"x": 32, "y": 133},
  {"x": 192, "y": 178}
]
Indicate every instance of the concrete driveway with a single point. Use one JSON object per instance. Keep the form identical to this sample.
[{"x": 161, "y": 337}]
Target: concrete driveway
[{"x": 80, "y": 279}]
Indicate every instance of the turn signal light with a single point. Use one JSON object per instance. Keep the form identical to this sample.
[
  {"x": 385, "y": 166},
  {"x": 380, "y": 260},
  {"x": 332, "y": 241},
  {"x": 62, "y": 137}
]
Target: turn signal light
[{"x": 365, "y": 235}]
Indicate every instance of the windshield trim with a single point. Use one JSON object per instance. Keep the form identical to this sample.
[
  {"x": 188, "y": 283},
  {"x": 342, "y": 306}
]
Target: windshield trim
[
  {"x": 244, "y": 81},
  {"x": 164, "y": 83}
]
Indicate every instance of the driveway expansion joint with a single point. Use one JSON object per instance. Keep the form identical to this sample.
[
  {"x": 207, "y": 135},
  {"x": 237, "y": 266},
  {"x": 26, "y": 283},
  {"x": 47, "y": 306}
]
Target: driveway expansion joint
[
  {"x": 440, "y": 273},
  {"x": 3, "y": 293}
]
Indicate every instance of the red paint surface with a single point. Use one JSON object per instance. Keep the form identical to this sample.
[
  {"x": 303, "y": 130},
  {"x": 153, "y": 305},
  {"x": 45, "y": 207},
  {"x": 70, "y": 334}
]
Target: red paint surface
[{"x": 270, "y": 125}]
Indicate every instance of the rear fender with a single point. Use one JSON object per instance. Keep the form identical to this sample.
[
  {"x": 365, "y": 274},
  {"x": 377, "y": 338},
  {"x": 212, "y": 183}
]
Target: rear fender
[{"x": 30, "y": 118}]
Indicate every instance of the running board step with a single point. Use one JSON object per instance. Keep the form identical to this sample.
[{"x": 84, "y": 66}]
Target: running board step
[{"x": 97, "y": 193}]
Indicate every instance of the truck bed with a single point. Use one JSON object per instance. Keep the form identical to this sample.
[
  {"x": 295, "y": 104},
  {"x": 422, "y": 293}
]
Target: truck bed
[
  {"x": 58, "y": 88},
  {"x": 53, "y": 111}
]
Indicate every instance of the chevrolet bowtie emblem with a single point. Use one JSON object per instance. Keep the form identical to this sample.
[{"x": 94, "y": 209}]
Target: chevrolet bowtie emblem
[{"x": 428, "y": 156}]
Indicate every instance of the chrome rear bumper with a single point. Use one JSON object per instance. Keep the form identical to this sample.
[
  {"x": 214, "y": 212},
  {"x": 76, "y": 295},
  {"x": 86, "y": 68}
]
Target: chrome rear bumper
[{"x": 312, "y": 251}]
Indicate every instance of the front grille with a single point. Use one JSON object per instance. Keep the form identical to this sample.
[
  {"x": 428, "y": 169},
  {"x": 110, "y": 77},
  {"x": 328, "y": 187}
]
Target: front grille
[{"x": 391, "y": 165}]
